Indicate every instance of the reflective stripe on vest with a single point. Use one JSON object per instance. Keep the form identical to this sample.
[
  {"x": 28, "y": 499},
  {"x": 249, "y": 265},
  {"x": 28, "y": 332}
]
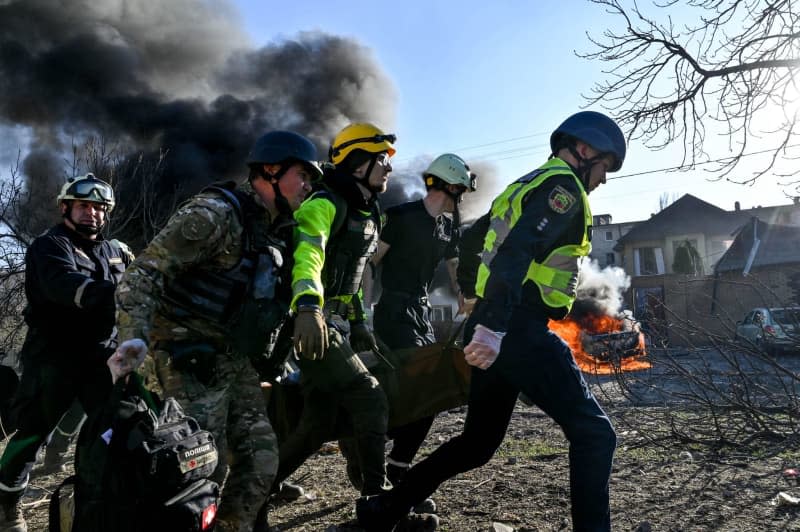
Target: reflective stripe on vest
[{"x": 557, "y": 276}]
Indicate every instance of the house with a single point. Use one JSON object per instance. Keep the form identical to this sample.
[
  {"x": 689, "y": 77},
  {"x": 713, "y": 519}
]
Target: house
[
  {"x": 702, "y": 229},
  {"x": 605, "y": 236},
  {"x": 788, "y": 215},
  {"x": 696, "y": 269},
  {"x": 760, "y": 269}
]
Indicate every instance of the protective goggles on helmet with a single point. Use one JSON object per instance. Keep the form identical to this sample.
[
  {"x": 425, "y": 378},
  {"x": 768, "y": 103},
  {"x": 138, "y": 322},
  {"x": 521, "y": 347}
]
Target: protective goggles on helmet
[
  {"x": 91, "y": 190},
  {"x": 375, "y": 139}
]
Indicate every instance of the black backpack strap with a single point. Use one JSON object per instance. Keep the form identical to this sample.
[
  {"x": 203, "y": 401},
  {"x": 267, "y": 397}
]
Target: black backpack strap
[{"x": 54, "y": 509}]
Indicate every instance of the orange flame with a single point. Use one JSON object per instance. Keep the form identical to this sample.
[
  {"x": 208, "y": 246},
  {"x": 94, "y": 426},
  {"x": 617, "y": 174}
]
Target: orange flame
[{"x": 572, "y": 333}]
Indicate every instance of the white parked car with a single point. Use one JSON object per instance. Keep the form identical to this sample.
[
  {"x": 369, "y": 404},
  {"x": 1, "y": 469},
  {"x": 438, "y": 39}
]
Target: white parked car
[{"x": 775, "y": 330}]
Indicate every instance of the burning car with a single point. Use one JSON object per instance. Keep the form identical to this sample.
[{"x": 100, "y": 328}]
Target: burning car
[{"x": 604, "y": 344}]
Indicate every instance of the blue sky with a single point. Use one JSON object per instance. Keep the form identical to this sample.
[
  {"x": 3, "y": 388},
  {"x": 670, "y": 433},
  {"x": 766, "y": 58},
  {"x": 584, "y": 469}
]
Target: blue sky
[{"x": 489, "y": 81}]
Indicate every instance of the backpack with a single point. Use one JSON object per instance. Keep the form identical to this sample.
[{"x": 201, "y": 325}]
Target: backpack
[{"x": 140, "y": 468}]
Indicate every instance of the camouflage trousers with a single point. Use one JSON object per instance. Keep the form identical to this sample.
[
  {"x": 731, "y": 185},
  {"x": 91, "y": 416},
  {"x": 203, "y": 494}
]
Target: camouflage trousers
[{"x": 231, "y": 407}]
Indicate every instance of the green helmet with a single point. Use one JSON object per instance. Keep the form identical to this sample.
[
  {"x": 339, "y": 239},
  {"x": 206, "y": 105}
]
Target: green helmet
[
  {"x": 451, "y": 169},
  {"x": 87, "y": 188}
]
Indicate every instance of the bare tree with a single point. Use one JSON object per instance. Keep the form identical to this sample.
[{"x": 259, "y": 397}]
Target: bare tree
[
  {"x": 669, "y": 81},
  {"x": 15, "y": 236},
  {"x": 665, "y": 200},
  {"x": 28, "y": 207},
  {"x": 716, "y": 391}
]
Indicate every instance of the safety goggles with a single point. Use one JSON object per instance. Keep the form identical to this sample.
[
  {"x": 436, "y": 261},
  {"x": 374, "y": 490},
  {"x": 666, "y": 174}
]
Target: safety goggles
[{"x": 91, "y": 190}]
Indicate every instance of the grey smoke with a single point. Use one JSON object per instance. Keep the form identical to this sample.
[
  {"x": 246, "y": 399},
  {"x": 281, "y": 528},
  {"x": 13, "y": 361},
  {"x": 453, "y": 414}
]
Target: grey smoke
[
  {"x": 405, "y": 183},
  {"x": 489, "y": 186},
  {"x": 600, "y": 291}
]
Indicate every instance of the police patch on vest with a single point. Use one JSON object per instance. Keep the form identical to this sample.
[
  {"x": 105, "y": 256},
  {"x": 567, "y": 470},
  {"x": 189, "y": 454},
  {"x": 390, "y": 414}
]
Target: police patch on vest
[{"x": 560, "y": 200}]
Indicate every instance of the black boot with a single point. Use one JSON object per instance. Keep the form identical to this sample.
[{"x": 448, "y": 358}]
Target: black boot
[
  {"x": 379, "y": 513},
  {"x": 11, "y": 518},
  {"x": 396, "y": 473}
]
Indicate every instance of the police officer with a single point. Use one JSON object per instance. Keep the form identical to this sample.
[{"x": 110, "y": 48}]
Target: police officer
[
  {"x": 539, "y": 230},
  {"x": 206, "y": 297},
  {"x": 71, "y": 273},
  {"x": 417, "y": 237},
  {"x": 337, "y": 234}
]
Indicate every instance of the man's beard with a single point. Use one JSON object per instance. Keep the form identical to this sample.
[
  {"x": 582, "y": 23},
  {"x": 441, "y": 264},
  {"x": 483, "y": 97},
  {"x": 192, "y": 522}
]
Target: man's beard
[{"x": 87, "y": 230}]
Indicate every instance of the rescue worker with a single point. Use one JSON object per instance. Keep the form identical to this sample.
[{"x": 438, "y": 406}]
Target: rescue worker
[
  {"x": 337, "y": 234},
  {"x": 205, "y": 297},
  {"x": 417, "y": 237},
  {"x": 71, "y": 272},
  {"x": 539, "y": 230}
]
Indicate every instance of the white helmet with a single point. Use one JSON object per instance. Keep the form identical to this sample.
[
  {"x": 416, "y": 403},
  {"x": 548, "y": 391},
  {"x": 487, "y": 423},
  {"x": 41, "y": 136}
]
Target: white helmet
[
  {"x": 451, "y": 169},
  {"x": 87, "y": 188}
]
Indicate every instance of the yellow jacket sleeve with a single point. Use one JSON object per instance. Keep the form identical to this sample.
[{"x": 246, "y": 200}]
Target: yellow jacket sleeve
[{"x": 314, "y": 220}]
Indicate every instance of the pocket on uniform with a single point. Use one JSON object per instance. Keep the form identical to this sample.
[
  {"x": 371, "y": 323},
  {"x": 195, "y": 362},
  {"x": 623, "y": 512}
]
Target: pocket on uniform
[{"x": 117, "y": 269}]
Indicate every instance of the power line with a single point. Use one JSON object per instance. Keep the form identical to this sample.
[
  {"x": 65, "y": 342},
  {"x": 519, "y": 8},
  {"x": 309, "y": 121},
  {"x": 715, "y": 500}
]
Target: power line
[
  {"x": 525, "y": 151},
  {"x": 487, "y": 144},
  {"x": 687, "y": 166}
]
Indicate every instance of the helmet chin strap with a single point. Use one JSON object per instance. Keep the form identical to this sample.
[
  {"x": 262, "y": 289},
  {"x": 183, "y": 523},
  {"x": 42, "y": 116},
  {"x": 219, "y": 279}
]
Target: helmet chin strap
[
  {"x": 281, "y": 203},
  {"x": 83, "y": 229},
  {"x": 373, "y": 191},
  {"x": 585, "y": 166}
]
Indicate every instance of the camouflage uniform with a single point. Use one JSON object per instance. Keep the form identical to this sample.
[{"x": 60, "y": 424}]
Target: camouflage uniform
[{"x": 197, "y": 359}]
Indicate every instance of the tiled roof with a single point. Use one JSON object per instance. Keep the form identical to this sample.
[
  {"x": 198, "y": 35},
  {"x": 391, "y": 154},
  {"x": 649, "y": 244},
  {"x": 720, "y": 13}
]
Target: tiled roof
[{"x": 687, "y": 214}]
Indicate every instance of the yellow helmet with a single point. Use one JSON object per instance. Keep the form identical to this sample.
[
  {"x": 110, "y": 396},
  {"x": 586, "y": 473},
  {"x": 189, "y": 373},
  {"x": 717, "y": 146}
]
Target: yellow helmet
[{"x": 362, "y": 136}]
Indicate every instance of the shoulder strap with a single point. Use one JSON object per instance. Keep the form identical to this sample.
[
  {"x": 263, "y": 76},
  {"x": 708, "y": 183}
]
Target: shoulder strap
[
  {"x": 379, "y": 214},
  {"x": 227, "y": 189},
  {"x": 122, "y": 247},
  {"x": 340, "y": 205}
]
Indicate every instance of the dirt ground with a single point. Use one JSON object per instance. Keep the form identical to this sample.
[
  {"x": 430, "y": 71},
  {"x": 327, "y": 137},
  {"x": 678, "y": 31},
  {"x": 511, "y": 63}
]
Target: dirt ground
[{"x": 655, "y": 485}]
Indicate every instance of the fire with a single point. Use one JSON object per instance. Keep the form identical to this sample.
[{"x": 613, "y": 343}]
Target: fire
[{"x": 577, "y": 338}]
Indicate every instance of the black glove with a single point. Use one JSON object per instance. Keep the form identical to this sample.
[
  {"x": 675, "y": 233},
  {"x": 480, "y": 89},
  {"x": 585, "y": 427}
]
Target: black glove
[
  {"x": 310, "y": 333},
  {"x": 361, "y": 338}
]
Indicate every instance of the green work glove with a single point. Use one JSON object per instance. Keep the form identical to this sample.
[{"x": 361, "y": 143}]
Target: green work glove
[
  {"x": 361, "y": 338},
  {"x": 310, "y": 332}
]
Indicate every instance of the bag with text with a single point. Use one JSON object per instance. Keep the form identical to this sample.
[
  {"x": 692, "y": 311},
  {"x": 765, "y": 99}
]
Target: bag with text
[{"x": 140, "y": 467}]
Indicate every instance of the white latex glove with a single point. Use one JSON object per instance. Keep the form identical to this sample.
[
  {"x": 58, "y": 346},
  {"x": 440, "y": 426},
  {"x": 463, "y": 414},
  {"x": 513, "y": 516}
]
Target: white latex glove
[
  {"x": 128, "y": 356},
  {"x": 483, "y": 349}
]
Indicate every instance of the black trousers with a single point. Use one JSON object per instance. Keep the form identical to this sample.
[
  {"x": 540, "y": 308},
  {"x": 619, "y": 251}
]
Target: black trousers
[
  {"x": 536, "y": 362},
  {"x": 402, "y": 321},
  {"x": 50, "y": 382}
]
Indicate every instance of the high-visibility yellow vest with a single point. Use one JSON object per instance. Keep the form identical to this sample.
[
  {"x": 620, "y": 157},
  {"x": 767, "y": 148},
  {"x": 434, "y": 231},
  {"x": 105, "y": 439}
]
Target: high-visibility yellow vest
[{"x": 557, "y": 276}]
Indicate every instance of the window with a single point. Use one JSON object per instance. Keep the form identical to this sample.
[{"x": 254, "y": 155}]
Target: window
[
  {"x": 648, "y": 261},
  {"x": 610, "y": 258},
  {"x": 686, "y": 257},
  {"x": 609, "y": 236},
  {"x": 442, "y": 313}
]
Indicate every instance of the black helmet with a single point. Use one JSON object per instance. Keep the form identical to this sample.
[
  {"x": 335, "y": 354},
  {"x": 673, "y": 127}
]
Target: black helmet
[
  {"x": 595, "y": 129},
  {"x": 278, "y": 147}
]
